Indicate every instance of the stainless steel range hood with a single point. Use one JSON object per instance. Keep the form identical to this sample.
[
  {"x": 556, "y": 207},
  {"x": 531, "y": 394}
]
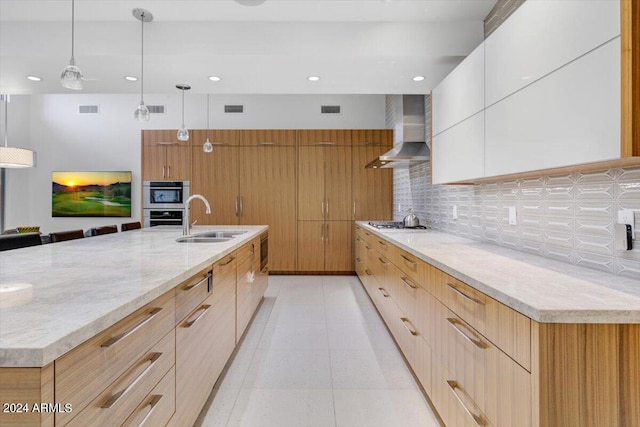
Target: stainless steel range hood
[{"x": 413, "y": 149}]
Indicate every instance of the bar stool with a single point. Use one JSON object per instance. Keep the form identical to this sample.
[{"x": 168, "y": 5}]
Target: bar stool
[
  {"x": 99, "y": 231},
  {"x": 62, "y": 236},
  {"x": 16, "y": 241},
  {"x": 130, "y": 226}
]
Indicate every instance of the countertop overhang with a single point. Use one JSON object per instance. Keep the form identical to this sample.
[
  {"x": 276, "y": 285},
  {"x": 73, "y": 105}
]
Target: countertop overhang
[
  {"x": 56, "y": 296},
  {"x": 545, "y": 290}
]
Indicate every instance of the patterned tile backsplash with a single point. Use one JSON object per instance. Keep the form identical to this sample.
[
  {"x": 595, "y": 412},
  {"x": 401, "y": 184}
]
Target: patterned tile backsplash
[{"x": 569, "y": 218}]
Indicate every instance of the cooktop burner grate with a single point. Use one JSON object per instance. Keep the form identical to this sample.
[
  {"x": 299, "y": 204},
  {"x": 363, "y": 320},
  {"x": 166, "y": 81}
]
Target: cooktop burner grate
[{"x": 394, "y": 225}]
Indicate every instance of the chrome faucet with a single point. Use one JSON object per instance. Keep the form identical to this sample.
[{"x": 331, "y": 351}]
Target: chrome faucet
[{"x": 186, "y": 226}]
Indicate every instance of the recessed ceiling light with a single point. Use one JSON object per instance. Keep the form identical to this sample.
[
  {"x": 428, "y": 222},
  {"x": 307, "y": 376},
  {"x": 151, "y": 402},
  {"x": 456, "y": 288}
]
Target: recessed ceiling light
[
  {"x": 131, "y": 78},
  {"x": 527, "y": 77},
  {"x": 214, "y": 78},
  {"x": 34, "y": 78},
  {"x": 313, "y": 78},
  {"x": 418, "y": 78}
]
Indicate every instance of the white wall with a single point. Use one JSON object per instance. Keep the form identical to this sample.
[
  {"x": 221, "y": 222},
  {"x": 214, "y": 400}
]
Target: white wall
[{"x": 64, "y": 140}]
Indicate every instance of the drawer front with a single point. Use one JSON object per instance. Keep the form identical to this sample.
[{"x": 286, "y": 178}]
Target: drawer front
[
  {"x": 369, "y": 237},
  {"x": 119, "y": 400},
  {"x": 505, "y": 327},
  {"x": 82, "y": 374},
  {"x": 383, "y": 247},
  {"x": 384, "y": 272},
  {"x": 159, "y": 405},
  {"x": 410, "y": 265},
  {"x": 244, "y": 295},
  {"x": 192, "y": 292},
  {"x": 224, "y": 270},
  {"x": 248, "y": 250},
  {"x": 406, "y": 293}
]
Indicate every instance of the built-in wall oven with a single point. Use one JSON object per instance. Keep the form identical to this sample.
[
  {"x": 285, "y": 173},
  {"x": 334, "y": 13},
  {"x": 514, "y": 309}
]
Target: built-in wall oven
[{"x": 164, "y": 202}]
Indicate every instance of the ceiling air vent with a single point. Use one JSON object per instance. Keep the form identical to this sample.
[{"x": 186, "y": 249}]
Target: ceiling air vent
[
  {"x": 156, "y": 109},
  {"x": 330, "y": 109},
  {"x": 89, "y": 109},
  {"x": 234, "y": 108}
]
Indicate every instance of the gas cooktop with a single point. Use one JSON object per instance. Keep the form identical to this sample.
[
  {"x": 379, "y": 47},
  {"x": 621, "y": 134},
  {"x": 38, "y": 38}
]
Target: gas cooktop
[{"x": 394, "y": 225}]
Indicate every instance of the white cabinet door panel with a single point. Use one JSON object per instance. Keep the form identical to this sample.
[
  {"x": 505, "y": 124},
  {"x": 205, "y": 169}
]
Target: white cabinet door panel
[
  {"x": 541, "y": 36},
  {"x": 461, "y": 94},
  {"x": 570, "y": 117},
  {"x": 458, "y": 152}
]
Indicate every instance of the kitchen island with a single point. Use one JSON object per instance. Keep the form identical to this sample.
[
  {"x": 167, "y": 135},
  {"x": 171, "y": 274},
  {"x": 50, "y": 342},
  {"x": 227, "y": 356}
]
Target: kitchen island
[
  {"x": 149, "y": 303},
  {"x": 499, "y": 337}
]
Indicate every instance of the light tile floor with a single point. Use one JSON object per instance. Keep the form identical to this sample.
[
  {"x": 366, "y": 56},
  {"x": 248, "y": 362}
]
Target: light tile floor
[{"x": 317, "y": 354}]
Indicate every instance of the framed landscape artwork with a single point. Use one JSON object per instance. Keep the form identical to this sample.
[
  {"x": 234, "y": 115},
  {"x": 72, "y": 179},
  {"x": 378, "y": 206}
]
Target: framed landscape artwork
[{"x": 91, "y": 194}]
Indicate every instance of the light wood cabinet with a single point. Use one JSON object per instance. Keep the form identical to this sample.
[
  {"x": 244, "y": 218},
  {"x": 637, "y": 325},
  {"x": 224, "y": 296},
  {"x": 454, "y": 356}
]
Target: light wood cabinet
[
  {"x": 158, "y": 407},
  {"x": 320, "y": 137},
  {"x": 325, "y": 246},
  {"x": 372, "y": 188},
  {"x": 268, "y": 137},
  {"x": 217, "y": 137},
  {"x": 164, "y": 157},
  {"x": 483, "y": 363},
  {"x": 268, "y": 196},
  {"x": 27, "y": 386}
]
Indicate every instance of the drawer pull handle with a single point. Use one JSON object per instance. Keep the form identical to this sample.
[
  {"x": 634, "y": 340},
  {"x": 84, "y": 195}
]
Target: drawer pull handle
[
  {"x": 358, "y": 259},
  {"x": 265, "y": 270},
  {"x": 465, "y": 296},
  {"x": 267, "y": 143},
  {"x": 382, "y": 243},
  {"x": 117, "y": 396},
  {"x": 358, "y": 239},
  {"x": 408, "y": 259},
  {"x": 383, "y": 261},
  {"x": 196, "y": 284},
  {"x": 152, "y": 406},
  {"x": 228, "y": 262},
  {"x": 203, "y": 309},
  {"x": 408, "y": 283},
  {"x": 111, "y": 341},
  {"x": 325, "y": 143},
  {"x": 477, "y": 419},
  {"x": 368, "y": 272},
  {"x": 405, "y": 323},
  {"x": 368, "y": 247},
  {"x": 384, "y": 292},
  {"x": 475, "y": 341}
]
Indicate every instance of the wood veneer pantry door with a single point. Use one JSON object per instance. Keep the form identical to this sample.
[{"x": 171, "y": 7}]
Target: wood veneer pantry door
[
  {"x": 268, "y": 196},
  {"x": 216, "y": 176}
]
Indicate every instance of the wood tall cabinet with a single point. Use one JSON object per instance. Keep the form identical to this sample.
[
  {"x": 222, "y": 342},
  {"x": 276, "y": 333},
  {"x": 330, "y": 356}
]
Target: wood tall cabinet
[
  {"x": 324, "y": 200},
  {"x": 372, "y": 188},
  {"x": 164, "y": 157}
]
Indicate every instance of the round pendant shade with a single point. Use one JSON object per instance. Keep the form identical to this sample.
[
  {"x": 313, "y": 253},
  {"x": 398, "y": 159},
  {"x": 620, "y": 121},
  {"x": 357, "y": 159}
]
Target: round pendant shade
[{"x": 12, "y": 157}]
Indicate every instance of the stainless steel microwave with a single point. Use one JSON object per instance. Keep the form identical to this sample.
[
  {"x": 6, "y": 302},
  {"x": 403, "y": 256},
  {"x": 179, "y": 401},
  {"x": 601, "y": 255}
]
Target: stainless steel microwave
[{"x": 165, "y": 194}]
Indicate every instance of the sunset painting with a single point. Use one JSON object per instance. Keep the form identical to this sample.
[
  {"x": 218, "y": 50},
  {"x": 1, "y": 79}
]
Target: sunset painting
[{"x": 79, "y": 194}]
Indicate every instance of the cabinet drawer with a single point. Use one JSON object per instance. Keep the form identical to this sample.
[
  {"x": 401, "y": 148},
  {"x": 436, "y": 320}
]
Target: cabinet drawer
[
  {"x": 248, "y": 250},
  {"x": 505, "y": 327},
  {"x": 192, "y": 292},
  {"x": 244, "y": 295},
  {"x": 120, "y": 399},
  {"x": 82, "y": 374},
  {"x": 385, "y": 248},
  {"x": 410, "y": 265},
  {"x": 224, "y": 270},
  {"x": 159, "y": 405}
]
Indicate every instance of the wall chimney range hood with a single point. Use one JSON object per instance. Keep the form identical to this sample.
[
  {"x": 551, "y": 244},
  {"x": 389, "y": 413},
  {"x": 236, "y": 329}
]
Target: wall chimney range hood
[{"x": 413, "y": 149}]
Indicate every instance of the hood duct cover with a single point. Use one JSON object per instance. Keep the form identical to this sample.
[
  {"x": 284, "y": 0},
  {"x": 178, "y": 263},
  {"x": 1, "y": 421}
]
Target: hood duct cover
[{"x": 413, "y": 149}]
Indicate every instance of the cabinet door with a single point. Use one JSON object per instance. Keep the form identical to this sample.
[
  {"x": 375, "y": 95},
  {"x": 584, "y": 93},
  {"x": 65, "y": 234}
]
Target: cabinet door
[
  {"x": 268, "y": 191},
  {"x": 570, "y": 117},
  {"x": 458, "y": 152},
  {"x": 178, "y": 163},
  {"x": 247, "y": 276},
  {"x": 162, "y": 137},
  {"x": 337, "y": 178},
  {"x": 461, "y": 94},
  {"x": 215, "y": 176},
  {"x": 338, "y": 250},
  {"x": 542, "y": 36},
  {"x": 372, "y": 137},
  {"x": 268, "y": 137},
  {"x": 311, "y": 245},
  {"x": 154, "y": 158},
  {"x": 311, "y": 194},
  {"x": 372, "y": 188},
  {"x": 217, "y": 137}
]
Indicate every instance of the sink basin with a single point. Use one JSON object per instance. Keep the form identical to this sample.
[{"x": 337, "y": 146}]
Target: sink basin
[
  {"x": 220, "y": 233},
  {"x": 201, "y": 239}
]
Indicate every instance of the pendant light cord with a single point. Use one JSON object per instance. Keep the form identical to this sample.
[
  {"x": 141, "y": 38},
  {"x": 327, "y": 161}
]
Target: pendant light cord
[
  {"x": 6, "y": 122},
  {"x": 73, "y": 20},
  {"x": 207, "y": 117},
  {"x": 142, "y": 61},
  {"x": 183, "y": 108}
]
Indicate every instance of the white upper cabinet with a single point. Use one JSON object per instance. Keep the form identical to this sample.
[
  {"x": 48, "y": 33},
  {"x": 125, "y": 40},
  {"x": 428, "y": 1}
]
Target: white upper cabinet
[
  {"x": 461, "y": 94},
  {"x": 458, "y": 152},
  {"x": 540, "y": 37},
  {"x": 570, "y": 117}
]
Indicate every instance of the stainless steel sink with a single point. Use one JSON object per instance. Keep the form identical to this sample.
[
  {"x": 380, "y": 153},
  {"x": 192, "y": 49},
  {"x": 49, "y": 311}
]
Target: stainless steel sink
[
  {"x": 202, "y": 239},
  {"x": 221, "y": 233}
]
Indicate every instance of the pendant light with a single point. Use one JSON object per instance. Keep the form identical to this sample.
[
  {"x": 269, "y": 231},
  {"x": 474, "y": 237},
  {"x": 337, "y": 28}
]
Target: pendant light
[
  {"x": 71, "y": 77},
  {"x": 142, "y": 112},
  {"x": 183, "y": 133},
  {"x": 208, "y": 146},
  {"x": 12, "y": 157}
]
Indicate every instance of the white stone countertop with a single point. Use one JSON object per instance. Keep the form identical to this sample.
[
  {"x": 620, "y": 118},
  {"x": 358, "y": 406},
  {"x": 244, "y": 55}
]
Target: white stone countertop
[
  {"x": 56, "y": 296},
  {"x": 545, "y": 290}
]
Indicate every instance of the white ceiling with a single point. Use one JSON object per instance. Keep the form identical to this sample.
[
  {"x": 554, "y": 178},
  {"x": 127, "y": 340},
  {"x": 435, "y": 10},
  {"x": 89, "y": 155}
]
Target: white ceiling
[{"x": 355, "y": 46}]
